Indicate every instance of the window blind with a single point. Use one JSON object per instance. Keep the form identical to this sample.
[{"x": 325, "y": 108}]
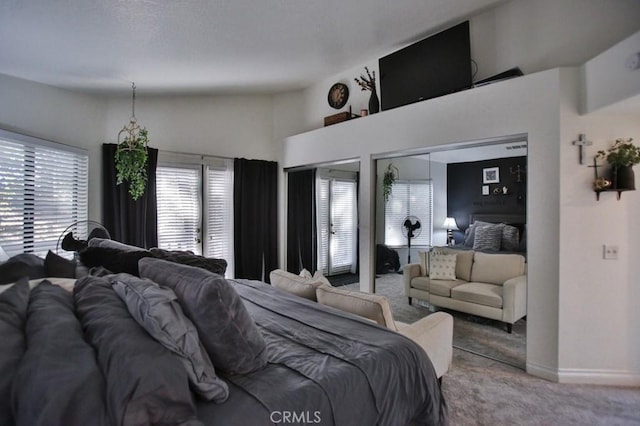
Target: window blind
[
  {"x": 218, "y": 214},
  {"x": 409, "y": 197},
  {"x": 344, "y": 218},
  {"x": 178, "y": 193},
  {"x": 43, "y": 190}
]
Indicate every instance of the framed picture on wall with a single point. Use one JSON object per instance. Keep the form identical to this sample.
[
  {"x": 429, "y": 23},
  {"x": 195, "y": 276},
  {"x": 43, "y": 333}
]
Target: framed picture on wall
[
  {"x": 485, "y": 189},
  {"x": 491, "y": 175}
]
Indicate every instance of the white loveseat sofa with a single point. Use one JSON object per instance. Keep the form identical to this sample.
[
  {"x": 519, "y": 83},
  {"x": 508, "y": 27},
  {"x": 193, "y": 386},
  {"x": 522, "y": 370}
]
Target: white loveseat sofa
[{"x": 485, "y": 284}]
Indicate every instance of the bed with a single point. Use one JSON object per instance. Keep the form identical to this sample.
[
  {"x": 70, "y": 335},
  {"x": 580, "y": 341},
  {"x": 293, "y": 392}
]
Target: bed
[
  {"x": 80, "y": 357},
  {"x": 504, "y": 233}
]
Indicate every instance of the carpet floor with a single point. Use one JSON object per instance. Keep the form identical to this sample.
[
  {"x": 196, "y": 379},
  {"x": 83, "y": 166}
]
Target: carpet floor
[{"x": 483, "y": 391}]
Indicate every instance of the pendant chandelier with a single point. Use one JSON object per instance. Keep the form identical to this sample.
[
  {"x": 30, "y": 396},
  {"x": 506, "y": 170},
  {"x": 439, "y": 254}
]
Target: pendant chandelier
[{"x": 131, "y": 154}]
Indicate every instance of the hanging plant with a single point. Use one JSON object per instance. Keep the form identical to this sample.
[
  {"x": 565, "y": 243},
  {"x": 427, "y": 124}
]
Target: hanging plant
[
  {"x": 388, "y": 178},
  {"x": 131, "y": 162}
]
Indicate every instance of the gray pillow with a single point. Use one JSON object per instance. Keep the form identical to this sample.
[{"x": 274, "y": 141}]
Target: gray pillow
[
  {"x": 58, "y": 266},
  {"x": 20, "y": 266},
  {"x": 510, "y": 238},
  {"x": 218, "y": 266},
  {"x": 487, "y": 238},
  {"x": 157, "y": 310},
  {"x": 226, "y": 329},
  {"x": 13, "y": 313}
]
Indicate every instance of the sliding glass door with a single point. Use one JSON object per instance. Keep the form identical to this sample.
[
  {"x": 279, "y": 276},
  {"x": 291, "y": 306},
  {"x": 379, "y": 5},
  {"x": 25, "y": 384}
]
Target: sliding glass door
[
  {"x": 195, "y": 206},
  {"x": 337, "y": 213}
]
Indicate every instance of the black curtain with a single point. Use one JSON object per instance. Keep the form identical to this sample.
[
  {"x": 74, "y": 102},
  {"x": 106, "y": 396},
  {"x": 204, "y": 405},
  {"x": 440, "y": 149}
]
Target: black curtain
[
  {"x": 255, "y": 214},
  {"x": 301, "y": 221},
  {"x": 128, "y": 221}
]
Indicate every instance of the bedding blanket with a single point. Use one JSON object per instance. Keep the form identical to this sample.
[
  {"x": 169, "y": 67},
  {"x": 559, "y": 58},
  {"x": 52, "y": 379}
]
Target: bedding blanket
[{"x": 89, "y": 362}]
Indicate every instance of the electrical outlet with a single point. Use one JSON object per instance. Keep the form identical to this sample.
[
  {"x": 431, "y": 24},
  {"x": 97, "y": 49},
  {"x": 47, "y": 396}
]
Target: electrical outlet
[{"x": 609, "y": 252}]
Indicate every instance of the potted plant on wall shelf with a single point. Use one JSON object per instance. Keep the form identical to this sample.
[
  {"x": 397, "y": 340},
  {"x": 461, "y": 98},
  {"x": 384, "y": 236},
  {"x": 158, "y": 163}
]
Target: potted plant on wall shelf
[
  {"x": 388, "y": 178},
  {"x": 622, "y": 156}
]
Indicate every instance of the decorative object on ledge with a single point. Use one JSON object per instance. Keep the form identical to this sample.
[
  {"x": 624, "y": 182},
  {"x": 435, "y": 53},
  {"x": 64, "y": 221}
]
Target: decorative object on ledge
[
  {"x": 388, "y": 178},
  {"x": 518, "y": 172},
  {"x": 581, "y": 143},
  {"x": 450, "y": 225},
  {"x": 339, "y": 117},
  {"x": 338, "y": 95},
  {"x": 622, "y": 156},
  {"x": 131, "y": 155},
  {"x": 368, "y": 82}
]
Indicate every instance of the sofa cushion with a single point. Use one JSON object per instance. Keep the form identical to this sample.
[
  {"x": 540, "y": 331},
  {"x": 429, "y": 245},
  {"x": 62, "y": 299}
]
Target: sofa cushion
[
  {"x": 442, "y": 266},
  {"x": 443, "y": 287},
  {"x": 487, "y": 238},
  {"x": 464, "y": 261},
  {"x": 421, "y": 283},
  {"x": 479, "y": 293},
  {"x": 371, "y": 306},
  {"x": 227, "y": 331},
  {"x": 496, "y": 268},
  {"x": 296, "y": 284},
  {"x": 424, "y": 262}
]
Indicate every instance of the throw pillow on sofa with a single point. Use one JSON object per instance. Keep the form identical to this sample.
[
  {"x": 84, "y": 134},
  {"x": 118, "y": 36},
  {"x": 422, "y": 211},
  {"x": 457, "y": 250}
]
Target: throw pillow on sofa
[
  {"x": 442, "y": 266},
  {"x": 297, "y": 284}
]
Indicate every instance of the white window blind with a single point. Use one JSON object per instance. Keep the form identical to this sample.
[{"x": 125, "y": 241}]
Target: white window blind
[
  {"x": 409, "y": 198},
  {"x": 195, "y": 205},
  {"x": 323, "y": 224},
  {"x": 43, "y": 190},
  {"x": 218, "y": 214},
  {"x": 178, "y": 193}
]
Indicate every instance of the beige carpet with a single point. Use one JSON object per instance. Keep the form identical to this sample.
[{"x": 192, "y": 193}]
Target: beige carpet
[{"x": 482, "y": 391}]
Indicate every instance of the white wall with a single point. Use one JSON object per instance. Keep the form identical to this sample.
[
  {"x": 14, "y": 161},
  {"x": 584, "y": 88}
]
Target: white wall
[
  {"x": 58, "y": 115},
  {"x": 599, "y": 338},
  {"x": 535, "y": 35},
  {"x": 528, "y": 105},
  {"x": 226, "y": 126}
]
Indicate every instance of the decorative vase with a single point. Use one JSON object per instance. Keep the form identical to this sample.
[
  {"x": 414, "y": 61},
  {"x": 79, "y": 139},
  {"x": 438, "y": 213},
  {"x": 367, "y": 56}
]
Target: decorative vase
[
  {"x": 374, "y": 102},
  {"x": 624, "y": 178}
]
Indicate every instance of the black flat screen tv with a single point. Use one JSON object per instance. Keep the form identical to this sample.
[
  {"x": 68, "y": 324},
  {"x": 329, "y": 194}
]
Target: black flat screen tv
[{"x": 432, "y": 67}]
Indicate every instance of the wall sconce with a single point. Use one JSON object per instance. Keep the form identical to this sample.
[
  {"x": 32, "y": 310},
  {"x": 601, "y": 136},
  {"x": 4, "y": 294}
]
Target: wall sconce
[{"x": 450, "y": 225}]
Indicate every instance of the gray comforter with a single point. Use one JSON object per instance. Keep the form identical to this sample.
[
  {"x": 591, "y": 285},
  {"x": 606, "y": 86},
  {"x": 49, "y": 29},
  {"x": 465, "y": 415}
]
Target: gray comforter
[{"x": 88, "y": 362}]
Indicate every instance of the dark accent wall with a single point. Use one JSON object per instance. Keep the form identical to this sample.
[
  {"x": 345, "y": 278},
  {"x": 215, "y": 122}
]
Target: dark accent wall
[{"x": 464, "y": 190}]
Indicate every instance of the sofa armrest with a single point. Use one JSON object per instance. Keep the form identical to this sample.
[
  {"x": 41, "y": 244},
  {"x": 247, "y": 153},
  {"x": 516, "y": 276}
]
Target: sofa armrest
[
  {"x": 514, "y": 299},
  {"x": 434, "y": 334},
  {"x": 409, "y": 272}
]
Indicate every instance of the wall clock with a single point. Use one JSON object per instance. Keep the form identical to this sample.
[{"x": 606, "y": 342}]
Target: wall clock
[{"x": 338, "y": 95}]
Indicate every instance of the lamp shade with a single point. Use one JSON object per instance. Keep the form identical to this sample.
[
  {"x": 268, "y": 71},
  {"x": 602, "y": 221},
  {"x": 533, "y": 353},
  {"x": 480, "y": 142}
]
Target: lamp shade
[{"x": 450, "y": 223}]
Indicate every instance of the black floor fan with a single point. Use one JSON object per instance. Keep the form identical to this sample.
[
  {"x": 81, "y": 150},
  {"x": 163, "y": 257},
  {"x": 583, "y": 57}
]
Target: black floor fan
[{"x": 411, "y": 228}]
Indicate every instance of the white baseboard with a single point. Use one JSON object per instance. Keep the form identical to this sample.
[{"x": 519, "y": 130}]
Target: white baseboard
[
  {"x": 598, "y": 377},
  {"x": 584, "y": 376},
  {"x": 542, "y": 371}
]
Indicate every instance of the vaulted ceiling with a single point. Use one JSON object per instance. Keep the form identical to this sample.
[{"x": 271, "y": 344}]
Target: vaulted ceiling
[{"x": 209, "y": 46}]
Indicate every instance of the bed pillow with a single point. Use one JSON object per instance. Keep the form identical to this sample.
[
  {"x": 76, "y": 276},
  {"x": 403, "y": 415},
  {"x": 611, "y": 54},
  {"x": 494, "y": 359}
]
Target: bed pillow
[
  {"x": 106, "y": 243},
  {"x": 58, "y": 266},
  {"x": 487, "y": 238},
  {"x": 147, "y": 384},
  {"x": 217, "y": 266},
  {"x": 510, "y": 239},
  {"x": 58, "y": 381},
  {"x": 157, "y": 310},
  {"x": 13, "y": 312},
  {"x": 226, "y": 329},
  {"x": 115, "y": 260},
  {"x": 442, "y": 266},
  {"x": 20, "y": 266}
]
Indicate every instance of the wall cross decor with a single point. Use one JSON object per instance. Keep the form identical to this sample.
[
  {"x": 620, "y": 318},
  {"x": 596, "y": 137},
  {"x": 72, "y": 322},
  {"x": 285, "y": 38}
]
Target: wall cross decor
[
  {"x": 518, "y": 172},
  {"x": 581, "y": 143}
]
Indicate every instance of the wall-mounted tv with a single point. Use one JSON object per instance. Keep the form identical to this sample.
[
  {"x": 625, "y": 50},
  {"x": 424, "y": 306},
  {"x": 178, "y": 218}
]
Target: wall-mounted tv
[{"x": 432, "y": 67}]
